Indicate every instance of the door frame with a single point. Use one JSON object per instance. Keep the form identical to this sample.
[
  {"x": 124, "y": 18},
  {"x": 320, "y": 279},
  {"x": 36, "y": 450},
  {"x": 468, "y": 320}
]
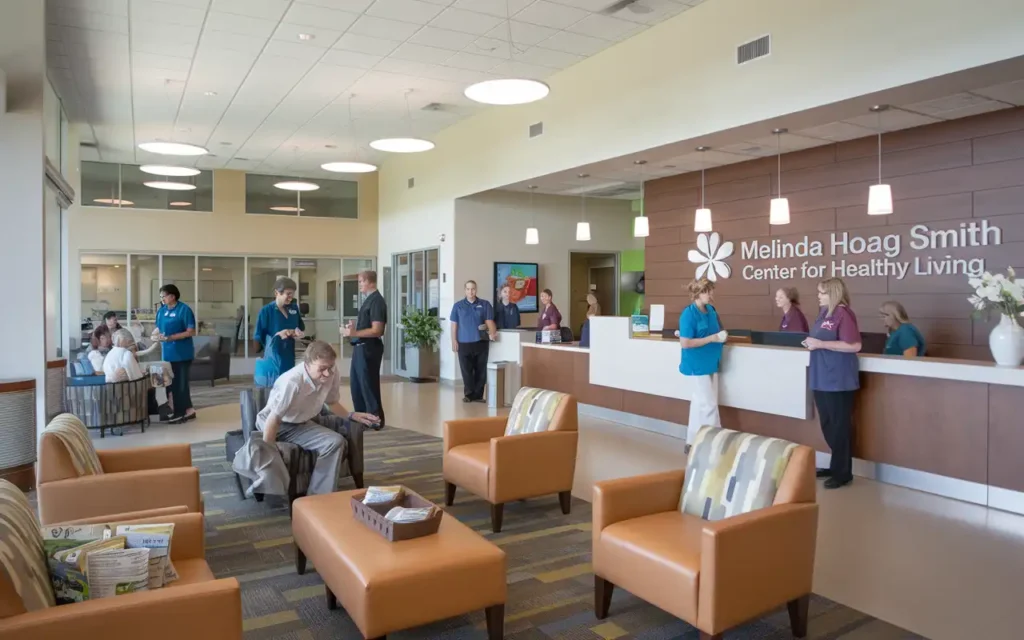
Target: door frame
[
  {"x": 616, "y": 259},
  {"x": 396, "y": 310}
]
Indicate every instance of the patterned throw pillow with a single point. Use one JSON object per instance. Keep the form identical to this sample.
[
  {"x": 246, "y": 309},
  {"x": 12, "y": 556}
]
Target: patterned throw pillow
[
  {"x": 532, "y": 411},
  {"x": 21, "y": 549},
  {"x": 730, "y": 473}
]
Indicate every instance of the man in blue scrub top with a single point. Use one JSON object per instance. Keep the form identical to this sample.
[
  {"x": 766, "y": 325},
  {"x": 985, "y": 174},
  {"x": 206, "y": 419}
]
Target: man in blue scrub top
[
  {"x": 473, "y": 329},
  {"x": 281, "y": 318}
]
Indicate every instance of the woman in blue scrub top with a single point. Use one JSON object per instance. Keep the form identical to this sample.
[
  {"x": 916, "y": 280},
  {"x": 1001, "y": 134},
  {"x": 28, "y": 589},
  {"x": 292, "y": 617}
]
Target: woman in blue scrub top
[
  {"x": 904, "y": 338},
  {"x": 701, "y": 337},
  {"x": 281, "y": 318},
  {"x": 176, "y": 324}
]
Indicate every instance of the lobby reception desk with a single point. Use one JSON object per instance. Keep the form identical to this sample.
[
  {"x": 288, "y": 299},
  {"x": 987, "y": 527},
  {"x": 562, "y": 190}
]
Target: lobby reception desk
[{"x": 949, "y": 427}]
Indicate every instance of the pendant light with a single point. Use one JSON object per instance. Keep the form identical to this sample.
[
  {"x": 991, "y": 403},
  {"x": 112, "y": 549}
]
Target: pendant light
[
  {"x": 507, "y": 91},
  {"x": 403, "y": 145},
  {"x": 641, "y": 225},
  {"x": 583, "y": 227},
  {"x": 879, "y": 195},
  {"x": 532, "y": 234},
  {"x": 779, "y": 212},
  {"x": 173, "y": 148},
  {"x": 702, "y": 217}
]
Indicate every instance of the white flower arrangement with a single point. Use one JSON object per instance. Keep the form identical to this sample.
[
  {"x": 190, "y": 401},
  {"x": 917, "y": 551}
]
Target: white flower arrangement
[{"x": 1002, "y": 293}]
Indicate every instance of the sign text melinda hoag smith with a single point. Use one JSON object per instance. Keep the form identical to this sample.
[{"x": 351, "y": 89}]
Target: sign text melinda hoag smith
[{"x": 887, "y": 247}]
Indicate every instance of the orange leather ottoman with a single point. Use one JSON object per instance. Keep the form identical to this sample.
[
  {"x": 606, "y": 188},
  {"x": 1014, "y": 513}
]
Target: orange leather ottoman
[{"x": 389, "y": 586}]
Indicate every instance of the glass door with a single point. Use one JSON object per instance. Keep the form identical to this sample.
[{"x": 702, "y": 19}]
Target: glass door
[{"x": 415, "y": 285}]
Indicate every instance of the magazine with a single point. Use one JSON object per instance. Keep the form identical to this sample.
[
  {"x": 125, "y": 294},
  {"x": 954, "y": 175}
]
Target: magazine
[{"x": 156, "y": 538}]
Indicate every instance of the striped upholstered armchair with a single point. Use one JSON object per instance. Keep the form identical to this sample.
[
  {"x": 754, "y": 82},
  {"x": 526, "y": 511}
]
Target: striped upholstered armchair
[{"x": 531, "y": 453}]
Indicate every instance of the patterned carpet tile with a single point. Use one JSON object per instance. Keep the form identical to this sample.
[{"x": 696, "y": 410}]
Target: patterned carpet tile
[{"x": 548, "y": 554}]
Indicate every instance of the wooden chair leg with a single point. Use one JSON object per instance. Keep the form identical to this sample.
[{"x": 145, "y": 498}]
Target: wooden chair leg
[
  {"x": 449, "y": 494},
  {"x": 798, "y": 612},
  {"x": 332, "y": 600},
  {"x": 565, "y": 501},
  {"x": 300, "y": 561},
  {"x": 497, "y": 511},
  {"x": 495, "y": 622},
  {"x": 602, "y": 597}
]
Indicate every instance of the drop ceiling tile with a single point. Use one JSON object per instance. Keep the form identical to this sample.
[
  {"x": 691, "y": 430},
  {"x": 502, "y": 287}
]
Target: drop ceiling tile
[
  {"x": 465, "y": 21},
  {"x": 166, "y": 13},
  {"x": 383, "y": 28},
  {"x": 548, "y": 58},
  {"x": 365, "y": 44},
  {"x": 523, "y": 70},
  {"x": 522, "y": 32},
  {"x": 405, "y": 10},
  {"x": 1011, "y": 92},
  {"x": 941, "y": 106},
  {"x": 294, "y": 50},
  {"x": 112, "y": 7},
  {"x": 354, "y": 6},
  {"x": 168, "y": 40},
  {"x": 142, "y": 60},
  {"x": 660, "y": 10},
  {"x": 493, "y": 47},
  {"x": 599, "y": 26},
  {"x": 837, "y": 132},
  {"x": 213, "y": 40},
  {"x": 472, "y": 62},
  {"x": 322, "y": 37},
  {"x": 421, "y": 53},
  {"x": 575, "y": 43},
  {"x": 974, "y": 110},
  {"x": 351, "y": 59},
  {"x": 313, "y": 16},
  {"x": 593, "y": 6},
  {"x": 549, "y": 14},
  {"x": 892, "y": 120},
  {"x": 443, "y": 38},
  {"x": 497, "y": 8},
  {"x": 267, "y": 9},
  {"x": 194, "y": 4},
  {"x": 92, "y": 20},
  {"x": 241, "y": 25}
]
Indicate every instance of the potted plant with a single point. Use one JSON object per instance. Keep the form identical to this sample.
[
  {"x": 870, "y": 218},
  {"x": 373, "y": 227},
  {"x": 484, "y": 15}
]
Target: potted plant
[
  {"x": 422, "y": 332},
  {"x": 1005, "y": 295}
]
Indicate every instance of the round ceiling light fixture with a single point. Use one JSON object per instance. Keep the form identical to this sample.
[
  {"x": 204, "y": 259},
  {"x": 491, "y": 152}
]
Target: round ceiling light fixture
[
  {"x": 297, "y": 186},
  {"x": 114, "y": 202},
  {"x": 181, "y": 203},
  {"x": 170, "y": 186},
  {"x": 168, "y": 170},
  {"x": 287, "y": 209},
  {"x": 349, "y": 167},
  {"x": 173, "y": 148},
  {"x": 507, "y": 91},
  {"x": 402, "y": 145}
]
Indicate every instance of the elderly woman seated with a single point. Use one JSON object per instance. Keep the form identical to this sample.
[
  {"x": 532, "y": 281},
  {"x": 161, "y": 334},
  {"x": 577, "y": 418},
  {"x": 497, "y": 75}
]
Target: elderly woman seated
[{"x": 120, "y": 363}]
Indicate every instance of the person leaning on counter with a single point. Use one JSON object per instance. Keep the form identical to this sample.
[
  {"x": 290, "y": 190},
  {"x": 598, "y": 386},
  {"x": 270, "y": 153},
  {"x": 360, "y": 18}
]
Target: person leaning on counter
[
  {"x": 793, "y": 319},
  {"x": 835, "y": 376},
  {"x": 904, "y": 339},
  {"x": 701, "y": 337},
  {"x": 550, "y": 317}
]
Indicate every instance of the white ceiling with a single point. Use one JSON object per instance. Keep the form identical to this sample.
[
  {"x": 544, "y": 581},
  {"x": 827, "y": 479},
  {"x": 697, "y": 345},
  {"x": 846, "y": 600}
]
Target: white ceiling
[
  {"x": 620, "y": 178},
  {"x": 234, "y": 75}
]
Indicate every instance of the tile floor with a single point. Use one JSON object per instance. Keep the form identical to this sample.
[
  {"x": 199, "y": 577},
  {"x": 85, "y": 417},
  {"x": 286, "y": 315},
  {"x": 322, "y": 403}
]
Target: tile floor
[{"x": 944, "y": 569}]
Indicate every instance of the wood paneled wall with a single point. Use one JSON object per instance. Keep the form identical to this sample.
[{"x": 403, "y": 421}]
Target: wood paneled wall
[{"x": 941, "y": 175}]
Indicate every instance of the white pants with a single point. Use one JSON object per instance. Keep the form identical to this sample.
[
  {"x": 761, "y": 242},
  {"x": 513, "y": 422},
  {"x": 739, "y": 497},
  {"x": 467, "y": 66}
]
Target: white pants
[{"x": 703, "y": 405}]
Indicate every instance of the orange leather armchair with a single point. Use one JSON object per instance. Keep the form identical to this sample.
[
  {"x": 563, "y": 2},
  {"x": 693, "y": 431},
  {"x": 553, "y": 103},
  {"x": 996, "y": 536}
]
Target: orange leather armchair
[
  {"x": 531, "y": 453},
  {"x": 132, "y": 480},
  {"x": 196, "y": 606},
  {"x": 714, "y": 575}
]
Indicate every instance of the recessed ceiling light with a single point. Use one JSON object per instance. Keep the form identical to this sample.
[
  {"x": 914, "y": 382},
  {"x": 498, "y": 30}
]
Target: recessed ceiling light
[
  {"x": 114, "y": 201},
  {"x": 167, "y": 170},
  {"x": 173, "y": 148},
  {"x": 170, "y": 186},
  {"x": 181, "y": 204},
  {"x": 227, "y": 144},
  {"x": 209, "y": 94},
  {"x": 297, "y": 186},
  {"x": 507, "y": 91},
  {"x": 402, "y": 145},
  {"x": 306, "y": 36},
  {"x": 349, "y": 167},
  {"x": 287, "y": 209}
]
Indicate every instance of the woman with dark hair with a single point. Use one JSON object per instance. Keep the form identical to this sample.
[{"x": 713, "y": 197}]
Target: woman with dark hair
[
  {"x": 99, "y": 343},
  {"x": 110, "y": 319},
  {"x": 175, "y": 326},
  {"x": 700, "y": 338},
  {"x": 550, "y": 317},
  {"x": 793, "y": 320}
]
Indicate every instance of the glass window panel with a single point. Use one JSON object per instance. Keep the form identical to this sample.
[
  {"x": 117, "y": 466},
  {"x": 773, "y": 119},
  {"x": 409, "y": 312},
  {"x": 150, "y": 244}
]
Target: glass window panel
[
  {"x": 133, "y": 189},
  {"x": 181, "y": 272},
  {"x": 221, "y": 301},
  {"x": 334, "y": 198},
  {"x": 104, "y": 287},
  {"x": 262, "y": 274},
  {"x": 433, "y": 283},
  {"x": 145, "y": 284},
  {"x": 51, "y": 124},
  {"x": 100, "y": 184},
  {"x": 418, "y": 283},
  {"x": 51, "y": 263},
  {"x": 319, "y": 283}
]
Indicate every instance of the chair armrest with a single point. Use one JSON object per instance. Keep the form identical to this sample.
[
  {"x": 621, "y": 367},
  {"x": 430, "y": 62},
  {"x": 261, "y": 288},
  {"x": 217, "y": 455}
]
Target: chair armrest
[
  {"x": 188, "y": 541},
  {"x": 460, "y": 432},
  {"x": 354, "y": 438},
  {"x": 627, "y": 498},
  {"x": 531, "y": 464},
  {"x": 134, "y": 515},
  {"x": 762, "y": 558},
  {"x": 88, "y": 496},
  {"x": 204, "y": 611},
  {"x": 165, "y": 456}
]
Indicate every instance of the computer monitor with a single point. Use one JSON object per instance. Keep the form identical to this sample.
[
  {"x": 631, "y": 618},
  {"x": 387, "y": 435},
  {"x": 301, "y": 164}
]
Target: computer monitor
[
  {"x": 872, "y": 342},
  {"x": 778, "y": 338}
]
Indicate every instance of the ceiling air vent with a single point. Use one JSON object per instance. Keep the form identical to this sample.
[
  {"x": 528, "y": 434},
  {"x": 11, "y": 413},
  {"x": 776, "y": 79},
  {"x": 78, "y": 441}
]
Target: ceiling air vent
[
  {"x": 536, "y": 129},
  {"x": 88, "y": 145},
  {"x": 754, "y": 49},
  {"x": 434, "y": 106}
]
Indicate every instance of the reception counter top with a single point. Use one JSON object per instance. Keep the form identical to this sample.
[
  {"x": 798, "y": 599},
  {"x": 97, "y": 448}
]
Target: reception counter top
[{"x": 945, "y": 426}]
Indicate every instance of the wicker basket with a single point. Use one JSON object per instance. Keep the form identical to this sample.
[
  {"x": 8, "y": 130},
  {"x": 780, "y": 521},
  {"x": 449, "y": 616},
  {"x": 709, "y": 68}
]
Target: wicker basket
[{"x": 373, "y": 517}]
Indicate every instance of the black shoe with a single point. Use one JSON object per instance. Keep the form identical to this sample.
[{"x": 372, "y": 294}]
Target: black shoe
[
  {"x": 177, "y": 420},
  {"x": 467, "y": 399},
  {"x": 191, "y": 416},
  {"x": 835, "y": 483},
  {"x": 823, "y": 473}
]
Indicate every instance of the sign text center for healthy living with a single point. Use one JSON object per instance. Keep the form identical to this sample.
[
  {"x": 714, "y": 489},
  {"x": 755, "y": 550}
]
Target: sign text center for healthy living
[{"x": 887, "y": 248}]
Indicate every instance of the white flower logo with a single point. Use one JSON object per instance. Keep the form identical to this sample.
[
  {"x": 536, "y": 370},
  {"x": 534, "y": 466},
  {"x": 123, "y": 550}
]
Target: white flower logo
[{"x": 710, "y": 256}]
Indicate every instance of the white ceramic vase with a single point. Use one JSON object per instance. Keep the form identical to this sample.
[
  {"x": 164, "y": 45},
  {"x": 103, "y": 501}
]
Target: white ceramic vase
[{"x": 1007, "y": 342}]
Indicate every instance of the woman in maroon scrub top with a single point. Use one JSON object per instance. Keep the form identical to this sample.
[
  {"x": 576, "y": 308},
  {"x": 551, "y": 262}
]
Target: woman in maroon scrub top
[
  {"x": 549, "y": 317},
  {"x": 835, "y": 376},
  {"x": 793, "y": 320}
]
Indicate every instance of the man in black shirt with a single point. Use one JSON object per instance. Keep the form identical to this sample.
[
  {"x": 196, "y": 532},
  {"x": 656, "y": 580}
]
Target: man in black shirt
[{"x": 366, "y": 334}]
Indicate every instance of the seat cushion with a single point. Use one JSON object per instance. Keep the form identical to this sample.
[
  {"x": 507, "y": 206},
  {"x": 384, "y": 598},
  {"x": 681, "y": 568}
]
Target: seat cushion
[
  {"x": 730, "y": 473},
  {"x": 532, "y": 411},
  {"x": 192, "y": 571},
  {"x": 467, "y": 466},
  {"x": 656, "y": 558}
]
